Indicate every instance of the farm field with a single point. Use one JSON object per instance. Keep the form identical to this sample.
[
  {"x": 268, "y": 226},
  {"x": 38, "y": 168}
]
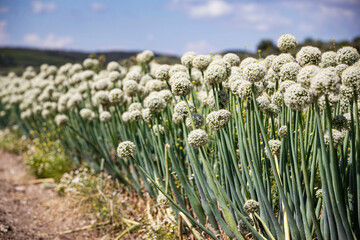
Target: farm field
[{"x": 213, "y": 146}]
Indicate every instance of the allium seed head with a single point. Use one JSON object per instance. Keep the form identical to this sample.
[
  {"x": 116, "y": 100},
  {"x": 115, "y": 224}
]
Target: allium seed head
[
  {"x": 245, "y": 62},
  {"x": 308, "y": 56},
  {"x": 223, "y": 99},
  {"x": 328, "y": 59},
  {"x": 197, "y": 138},
  {"x": 177, "y": 68},
  {"x": 145, "y": 57},
  {"x": 251, "y": 206},
  {"x": 130, "y": 87},
  {"x": 232, "y": 58},
  {"x": 337, "y": 137},
  {"x": 339, "y": 122},
  {"x": 289, "y": 71},
  {"x": 162, "y": 201},
  {"x": 217, "y": 120},
  {"x": 215, "y": 74},
  {"x": 105, "y": 116},
  {"x": 347, "y": 55},
  {"x": 181, "y": 109},
  {"x": 135, "y": 116},
  {"x": 198, "y": 121},
  {"x": 187, "y": 59},
  {"x": 61, "y": 120},
  {"x": 254, "y": 72},
  {"x": 351, "y": 77},
  {"x": 306, "y": 75},
  {"x": 287, "y": 43},
  {"x": 280, "y": 60},
  {"x": 340, "y": 68},
  {"x": 243, "y": 228},
  {"x": 116, "y": 96},
  {"x": 87, "y": 114},
  {"x": 126, "y": 149},
  {"x": 201, "y": 62},
  {"x": 297, "y": 97},
  {"x": 147, "y": 115},
  {"x": 325, "y": 82},
  {"x": 125, "y": 117},
  {"x": 135, "y": 106},
  {"x": 158, "y": 129},
  {"x": 283, "y": 131},
  {"x": 332, "y": 98},
  {"x": 113, "y": 66},
  {"x": 166, "y": 95},
  {"x": 319, "y": 193},
  {"x": 155, "y": 103},
  {"x": 162, "y": 72},
  {"x": 181, "y": 86},
  {"x": 275, "y": 146},
  {"x": 268, "y": 61}
]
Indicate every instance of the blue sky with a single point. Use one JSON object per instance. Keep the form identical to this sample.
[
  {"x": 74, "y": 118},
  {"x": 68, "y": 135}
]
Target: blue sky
[{"x": 172, "y": 26}]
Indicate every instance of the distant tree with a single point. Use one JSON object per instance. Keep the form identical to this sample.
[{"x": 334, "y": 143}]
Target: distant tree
[{"x": 265, "y": 45}]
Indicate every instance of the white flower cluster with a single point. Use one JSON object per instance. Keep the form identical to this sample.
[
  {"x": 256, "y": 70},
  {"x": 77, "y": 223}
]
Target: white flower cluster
[
  {"x": 61, "y": 119},
  {"x": 306, "y": 74},
  {"x": 232, "y": 58},
  {"x": 287, "y": 43},
  {"x": 308, "y": 56},
  {"x": 337, "y": 138},
  {"x": 187, "y": 59},
  {"x": 289, "y": 71},
  {"x": 328, "y": 59},
  {"x": 126, "y": 149},
  {"x": 297, "y": 97},
  {"x": 222, "y": 99},
  {"x": 347, "y": 55},
  {"x": 155, "y": 103},
  {"x": 280, "y": 60},
  {"x": 216, "y": 120},
  {"x": 283, "y": 131},
  {"x": 197, "y": 138},
  {"x": 254, "y": 72},
  {"x": 145, "y": 57},
  {"x": 275, "y": 146},
  {"x": 251, "y": 206},
  {"x": 182, "y": 110},
  {"x": 198, "y": 120},
  {"x": 105, "y": 116},
  {"x": 351, "y": 77},
  {"x": 181, "y": 86},
  {"x": 158, "y": 129},
  {"x": 325, "y": 82}
]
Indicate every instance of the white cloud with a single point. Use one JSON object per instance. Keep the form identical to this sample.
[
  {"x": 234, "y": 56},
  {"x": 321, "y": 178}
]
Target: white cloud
[
  {"x": 97, "y": 6},
  {"x": 49, "y": 41},
  {"x": 342, "y": 1},
  {"x": 322, "y": 11},
  {"x": 200, "y": 46},
  {"x": 258, "y": 17},
  {"x": 240, "y": 14},
  {"x": 4, "y": 37},
  {"x": 212, "y": 8},
  {"x": 333, "y": 11},
  {"x": 43, "y": 7},
  {"x": 4, "y": 10}
]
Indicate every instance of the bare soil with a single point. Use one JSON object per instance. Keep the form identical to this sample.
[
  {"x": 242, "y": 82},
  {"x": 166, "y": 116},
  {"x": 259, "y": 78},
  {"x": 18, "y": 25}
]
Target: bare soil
[{"x": 30, "y": 209}]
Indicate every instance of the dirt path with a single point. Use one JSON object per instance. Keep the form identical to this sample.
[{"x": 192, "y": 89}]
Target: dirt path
[{"x": 31, "y": 211}]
